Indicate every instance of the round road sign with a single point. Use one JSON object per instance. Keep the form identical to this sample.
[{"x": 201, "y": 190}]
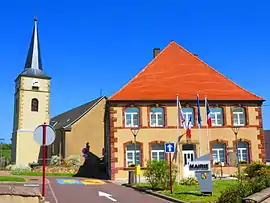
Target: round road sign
[{"x": 50, "y": 135}]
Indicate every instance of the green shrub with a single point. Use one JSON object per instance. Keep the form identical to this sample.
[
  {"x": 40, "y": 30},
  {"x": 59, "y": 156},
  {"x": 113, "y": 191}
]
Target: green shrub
[
  {"x": 253, "y": 169},
  {"x": 264, "y": 172},
  {"x": 241, "y": 176},
  {"x": 235, "y": 194},
  {"x": 157, "y": 174},
  {"x": 244, "y": 189},
  {"x": 55, "y": 161},
  {"x": 189, "y": 181},
  {"x": 73, "y": 160},
  {"x": 259, "y": 183}
]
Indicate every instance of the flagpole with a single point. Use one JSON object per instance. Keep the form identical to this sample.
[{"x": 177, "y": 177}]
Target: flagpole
[
  {"x": 177, "y": 123},
  {"x": 207, "y": 129},
  {"x": 199, "y": 130}
]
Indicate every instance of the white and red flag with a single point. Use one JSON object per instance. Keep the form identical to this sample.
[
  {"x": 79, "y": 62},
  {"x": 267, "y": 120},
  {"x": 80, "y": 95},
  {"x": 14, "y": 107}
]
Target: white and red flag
[
  {"x": 180, "y": 115},
  {"x": 208, "y": 112},
  {"x": 188, "y": 129}
]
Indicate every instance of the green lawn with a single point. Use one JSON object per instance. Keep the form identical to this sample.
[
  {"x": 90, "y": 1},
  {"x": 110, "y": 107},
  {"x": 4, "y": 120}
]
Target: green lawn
[
  {"x": 11, "y": 179},
  {"x": 33, "y": 173},
  {"x": 191, "y": 193}
]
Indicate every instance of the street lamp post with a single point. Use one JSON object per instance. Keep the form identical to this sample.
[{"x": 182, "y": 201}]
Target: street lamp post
[
  {"x": 135, "y": 131},
  {"x": 236, "y": 130},
  {"x": 1, "y": 153}
]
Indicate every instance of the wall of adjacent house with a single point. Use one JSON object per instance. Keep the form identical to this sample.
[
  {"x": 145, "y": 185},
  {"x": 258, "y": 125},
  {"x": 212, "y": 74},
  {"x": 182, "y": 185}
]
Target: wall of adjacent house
[
  {"x": 251, "y": 133},
  {"x": 90, "y": 128}
]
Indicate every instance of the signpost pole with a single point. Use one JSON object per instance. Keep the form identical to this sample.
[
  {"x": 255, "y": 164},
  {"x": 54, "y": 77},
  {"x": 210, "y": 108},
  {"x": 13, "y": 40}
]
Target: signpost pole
[
  {"x": 44, "y": 159},
  {"x": 169, "y": 148},
  {"x": 44, "y": 135},
  {"x": 170, "y": 172}
]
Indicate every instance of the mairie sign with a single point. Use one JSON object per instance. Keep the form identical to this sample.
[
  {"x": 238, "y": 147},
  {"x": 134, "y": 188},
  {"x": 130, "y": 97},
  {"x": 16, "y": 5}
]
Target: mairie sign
[{"x": 169, "y": 147}]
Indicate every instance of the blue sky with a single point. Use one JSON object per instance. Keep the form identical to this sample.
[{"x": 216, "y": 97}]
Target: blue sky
[{"x": 91, "y": 45}]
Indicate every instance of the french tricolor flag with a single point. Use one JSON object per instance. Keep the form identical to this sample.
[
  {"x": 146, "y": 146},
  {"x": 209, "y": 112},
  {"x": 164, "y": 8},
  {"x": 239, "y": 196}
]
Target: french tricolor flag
[
  {"x": 188, "y": 129},
  {"x": 208, "y": 117}
]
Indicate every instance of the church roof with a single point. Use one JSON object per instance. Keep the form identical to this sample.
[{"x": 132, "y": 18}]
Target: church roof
[
  {"x": 177, "y": 71},
  {"x": 33, "y": 65},
  {"x": 66, "y": 119}
]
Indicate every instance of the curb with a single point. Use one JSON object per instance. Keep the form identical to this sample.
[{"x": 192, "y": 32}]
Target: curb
[
  {"x": 150, "y": 192},
  {"x": 12, "y": 182}
]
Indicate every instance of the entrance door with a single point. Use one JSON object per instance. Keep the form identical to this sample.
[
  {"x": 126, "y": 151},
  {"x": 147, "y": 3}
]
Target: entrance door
[{"x": 188, "y": 156}]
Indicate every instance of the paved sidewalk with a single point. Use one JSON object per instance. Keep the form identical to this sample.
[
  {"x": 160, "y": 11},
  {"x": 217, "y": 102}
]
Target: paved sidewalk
[{"x": 5, "y": 173}]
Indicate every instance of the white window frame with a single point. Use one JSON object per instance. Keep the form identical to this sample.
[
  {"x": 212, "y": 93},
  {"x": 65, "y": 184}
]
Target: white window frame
[
  {"x": 218, "y": 155},
  {"x": 238, "y": 118},
  {"x": 215, "y": 119},
  {"x": 132, "y": 119},
  {"x": 156, "y": 119},
  {"x": 158, "y": 155},
  {"x": 185, "y": 115},
  {"x": 133, "y": 156},
  {"x": 240, "y": 154}
]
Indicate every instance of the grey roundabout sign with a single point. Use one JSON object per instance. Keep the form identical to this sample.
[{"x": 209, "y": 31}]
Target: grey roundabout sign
[{"x": 44, "y": 130}]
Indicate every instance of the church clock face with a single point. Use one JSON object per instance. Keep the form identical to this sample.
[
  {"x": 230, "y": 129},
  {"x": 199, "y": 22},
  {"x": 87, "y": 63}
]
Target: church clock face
[{"x": 35, "y": 83}]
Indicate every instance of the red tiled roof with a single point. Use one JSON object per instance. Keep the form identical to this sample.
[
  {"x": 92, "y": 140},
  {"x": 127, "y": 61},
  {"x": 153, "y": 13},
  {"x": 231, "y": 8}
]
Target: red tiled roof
[{"x": 177, "y": 71}]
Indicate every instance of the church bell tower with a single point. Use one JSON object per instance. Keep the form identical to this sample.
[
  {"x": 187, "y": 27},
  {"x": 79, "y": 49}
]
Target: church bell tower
[{"x": 31, "y": 104}]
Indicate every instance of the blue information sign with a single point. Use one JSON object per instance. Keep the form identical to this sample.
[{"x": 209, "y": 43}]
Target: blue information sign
[{"x": 169, "y": 147}]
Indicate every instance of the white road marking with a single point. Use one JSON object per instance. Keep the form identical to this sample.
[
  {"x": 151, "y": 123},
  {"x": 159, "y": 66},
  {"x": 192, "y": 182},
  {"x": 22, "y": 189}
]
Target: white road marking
[
  {"x": 53, "y": 194},
  {"x": 109, "y": 196}
]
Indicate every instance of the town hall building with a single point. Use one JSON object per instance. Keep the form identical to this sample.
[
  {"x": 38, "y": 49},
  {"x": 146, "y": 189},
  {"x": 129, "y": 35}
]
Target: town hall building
[{"x": 146, "y": 107}]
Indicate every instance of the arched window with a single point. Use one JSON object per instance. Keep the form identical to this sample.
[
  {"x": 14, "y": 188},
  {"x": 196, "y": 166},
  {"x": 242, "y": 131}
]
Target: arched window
[
  {"x": 132, "y": 117},
  {"x": 34, "y": 105},
  {"x": 157, "y": 152},
  {"x": 239, "y": 116},
  {"x": 156, "y": 117},
  {"x": 243, "y": 152},
  {"x": 130, "y": 154},
  {"x": 218, "y": 152}
]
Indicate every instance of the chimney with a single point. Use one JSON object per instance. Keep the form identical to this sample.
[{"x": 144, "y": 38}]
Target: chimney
[{"x": 156, "y": 51}]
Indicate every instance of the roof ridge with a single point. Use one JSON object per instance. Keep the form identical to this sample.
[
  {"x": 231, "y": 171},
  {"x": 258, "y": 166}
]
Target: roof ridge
[
  {"x": 218, "y": 71},
  {"x": 76, "y": 107},
  {"x": 142, "y": 70}
]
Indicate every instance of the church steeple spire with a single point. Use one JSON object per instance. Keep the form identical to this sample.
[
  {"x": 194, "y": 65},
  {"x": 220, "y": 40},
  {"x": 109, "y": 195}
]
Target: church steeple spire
[
  {"x": 33, "y": 59},
  {"x": 33, "y": 64}
]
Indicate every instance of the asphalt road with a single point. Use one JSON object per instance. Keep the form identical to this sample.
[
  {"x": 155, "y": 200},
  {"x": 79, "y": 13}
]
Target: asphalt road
[{"x": 63, "y": 193}]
